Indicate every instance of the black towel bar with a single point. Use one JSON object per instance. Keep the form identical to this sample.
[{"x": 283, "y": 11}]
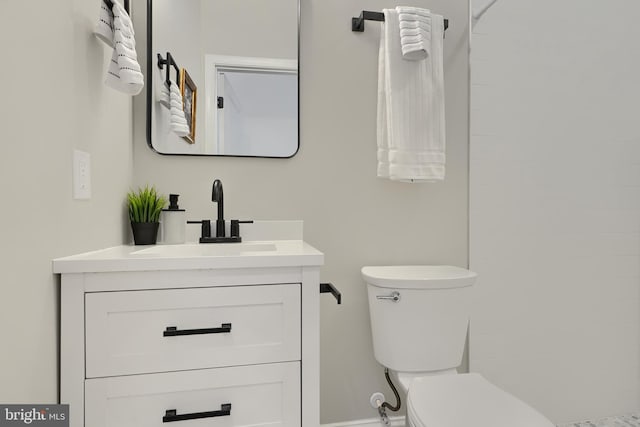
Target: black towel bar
[
  {"x": 357, "y": 23},
  {"x": 170, "y": 62}
]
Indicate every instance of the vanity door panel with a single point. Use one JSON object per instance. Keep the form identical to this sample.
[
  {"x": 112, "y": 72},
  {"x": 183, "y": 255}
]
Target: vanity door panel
[
  {"x": 136, "y": 332},
  {"x": 261, "y": 395}
]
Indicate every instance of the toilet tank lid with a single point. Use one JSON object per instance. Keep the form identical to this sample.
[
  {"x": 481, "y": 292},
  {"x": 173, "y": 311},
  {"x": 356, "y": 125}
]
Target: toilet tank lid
[{"x": 418, "y": 276}]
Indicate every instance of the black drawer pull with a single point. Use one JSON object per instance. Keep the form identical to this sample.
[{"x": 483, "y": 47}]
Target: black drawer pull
[
  {"x": 172, "y": 331},
  {"x": 171, "y": 415}
]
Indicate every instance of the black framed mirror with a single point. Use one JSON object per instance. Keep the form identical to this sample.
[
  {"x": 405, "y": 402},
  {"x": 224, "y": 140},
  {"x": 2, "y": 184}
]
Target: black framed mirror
[{"x": 222, "y": 77}]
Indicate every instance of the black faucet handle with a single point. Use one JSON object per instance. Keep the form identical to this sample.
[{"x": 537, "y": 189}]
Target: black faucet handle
[
  {"x": 206, "y": 227},
  {"x": 235, "y": 226}
]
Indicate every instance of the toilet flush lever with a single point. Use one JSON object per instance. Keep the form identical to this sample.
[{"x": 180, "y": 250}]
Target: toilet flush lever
[{"x": 395, "y": 296}]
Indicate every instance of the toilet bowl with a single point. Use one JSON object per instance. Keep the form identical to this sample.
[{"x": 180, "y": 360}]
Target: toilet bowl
[
  {"x": 467, "y": 400},
  {"x": 419, "y": 320}
]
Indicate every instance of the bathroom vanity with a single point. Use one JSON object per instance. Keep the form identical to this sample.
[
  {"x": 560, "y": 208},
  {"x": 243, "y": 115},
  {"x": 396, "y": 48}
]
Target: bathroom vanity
[{"x": 227, "y": 335}]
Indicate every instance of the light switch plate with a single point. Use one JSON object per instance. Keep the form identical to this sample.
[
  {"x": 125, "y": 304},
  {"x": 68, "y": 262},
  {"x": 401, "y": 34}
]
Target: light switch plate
[{"x": 81, "y": 175}]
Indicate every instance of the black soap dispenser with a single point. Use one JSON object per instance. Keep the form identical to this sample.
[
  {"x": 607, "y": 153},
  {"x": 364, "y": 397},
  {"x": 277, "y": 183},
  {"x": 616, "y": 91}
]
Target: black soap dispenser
[{"x": 173, "y": 222}]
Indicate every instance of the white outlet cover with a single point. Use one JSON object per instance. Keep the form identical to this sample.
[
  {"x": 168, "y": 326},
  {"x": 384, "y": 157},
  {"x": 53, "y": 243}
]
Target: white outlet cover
[{"x": 81, "y": 175}]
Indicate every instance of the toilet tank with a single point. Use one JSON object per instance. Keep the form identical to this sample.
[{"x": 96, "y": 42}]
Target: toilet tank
[{"x": 419, "y": 315}]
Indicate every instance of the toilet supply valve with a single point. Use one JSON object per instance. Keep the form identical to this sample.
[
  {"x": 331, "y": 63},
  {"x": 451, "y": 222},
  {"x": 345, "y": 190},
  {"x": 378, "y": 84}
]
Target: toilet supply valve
[
  {"x": 376, "y": 399},
  {"x": 395, "y": 296},
  {"x": 384, "y": 417}
]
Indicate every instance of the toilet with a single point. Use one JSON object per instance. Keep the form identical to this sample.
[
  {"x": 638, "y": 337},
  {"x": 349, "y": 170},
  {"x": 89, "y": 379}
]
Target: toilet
[{"x": 419, "y": 321}]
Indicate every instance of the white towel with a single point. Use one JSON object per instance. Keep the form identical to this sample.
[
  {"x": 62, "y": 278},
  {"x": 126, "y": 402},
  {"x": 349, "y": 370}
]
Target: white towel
[
  {"x": 124, "y": 72},
  {"x": 175, "y": 104},
  {"x": 414, "y": 10},
  {"x": 164, "y": 97},
  {"x": 415, "y": 17},
  {"x": 411, "y": 32},
  {"x": 162, "y": 94},
  {"x": 178, "y": 122},
  {"x": 415, "y": 32},
  {"x": 415, "y": 25},
  {"x": 104, "y": 27},
  {"x": 411, "y": 122}
]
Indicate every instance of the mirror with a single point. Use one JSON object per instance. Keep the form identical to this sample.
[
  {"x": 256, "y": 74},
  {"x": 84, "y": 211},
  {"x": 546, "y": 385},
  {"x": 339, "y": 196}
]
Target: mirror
[{"x": 232, "y": 73}]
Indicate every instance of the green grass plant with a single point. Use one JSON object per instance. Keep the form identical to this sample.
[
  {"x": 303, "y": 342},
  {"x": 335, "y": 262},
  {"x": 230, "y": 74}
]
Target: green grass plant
[{"x": 145, "y": 205}]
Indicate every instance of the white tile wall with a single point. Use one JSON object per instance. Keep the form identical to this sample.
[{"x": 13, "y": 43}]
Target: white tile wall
[{"x": 555, "y": 204}]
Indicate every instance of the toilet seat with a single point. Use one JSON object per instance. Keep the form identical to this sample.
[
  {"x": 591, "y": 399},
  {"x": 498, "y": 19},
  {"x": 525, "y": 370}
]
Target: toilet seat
[{"x": 466, "y": 400}]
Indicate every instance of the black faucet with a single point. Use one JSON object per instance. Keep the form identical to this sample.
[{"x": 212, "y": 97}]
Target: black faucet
[{"x": 217, "y": 195}]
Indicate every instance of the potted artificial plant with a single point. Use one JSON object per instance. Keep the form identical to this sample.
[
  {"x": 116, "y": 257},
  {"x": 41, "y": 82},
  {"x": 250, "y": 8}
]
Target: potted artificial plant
[{"x": 145, "y": 206}]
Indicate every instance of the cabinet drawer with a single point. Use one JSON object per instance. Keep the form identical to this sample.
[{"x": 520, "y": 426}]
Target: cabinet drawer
[
  {"x": 138, "y": 332},
  {"x": 259, "y": 396}
]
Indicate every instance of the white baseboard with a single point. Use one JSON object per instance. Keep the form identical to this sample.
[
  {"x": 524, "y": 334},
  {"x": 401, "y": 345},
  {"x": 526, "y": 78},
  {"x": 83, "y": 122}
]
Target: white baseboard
[{"x": 370, "y": 422}]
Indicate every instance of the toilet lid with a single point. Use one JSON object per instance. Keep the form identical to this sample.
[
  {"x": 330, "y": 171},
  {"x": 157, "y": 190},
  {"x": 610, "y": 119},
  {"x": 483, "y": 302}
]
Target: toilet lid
[{"x": 467, "y": 400}]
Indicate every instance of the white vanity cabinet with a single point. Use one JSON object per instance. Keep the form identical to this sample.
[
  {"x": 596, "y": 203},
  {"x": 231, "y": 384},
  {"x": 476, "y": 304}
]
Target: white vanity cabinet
[{"x": 206, "y": 340}]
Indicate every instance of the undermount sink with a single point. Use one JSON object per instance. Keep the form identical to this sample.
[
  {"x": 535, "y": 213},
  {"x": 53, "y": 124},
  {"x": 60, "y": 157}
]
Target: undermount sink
[{"x": 205, "y": 250}]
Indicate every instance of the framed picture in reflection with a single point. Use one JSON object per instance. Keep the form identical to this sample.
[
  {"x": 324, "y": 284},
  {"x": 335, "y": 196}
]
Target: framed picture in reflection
[{"x": 189, "y": 91}]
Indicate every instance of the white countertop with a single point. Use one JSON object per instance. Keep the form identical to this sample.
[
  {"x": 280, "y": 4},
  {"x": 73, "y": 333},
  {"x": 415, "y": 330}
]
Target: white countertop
[{"x": 193, "y": 256}]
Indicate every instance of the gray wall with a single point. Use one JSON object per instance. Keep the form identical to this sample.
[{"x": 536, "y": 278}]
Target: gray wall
[
  {"x": 355, "y": 218},
  {"x": 53, "y": 100}
]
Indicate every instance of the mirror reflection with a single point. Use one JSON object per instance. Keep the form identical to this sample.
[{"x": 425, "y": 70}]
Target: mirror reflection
[{"x": 224, "y": 76}]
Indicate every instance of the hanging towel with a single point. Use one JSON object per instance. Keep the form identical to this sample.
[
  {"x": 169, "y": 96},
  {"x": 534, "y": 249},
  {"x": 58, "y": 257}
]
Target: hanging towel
[
  {"x": 124, "y": 72},
  {"x": 104, "y": 27},
  {"x": 178, "y": 123},
  {"x": 414, "y": 10},
  {"x": 419, "y": 19},
  {"x": 411, "y": 121},
  {"x": 162, "y": 94},
  {"x": 415, "y": 32}
]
